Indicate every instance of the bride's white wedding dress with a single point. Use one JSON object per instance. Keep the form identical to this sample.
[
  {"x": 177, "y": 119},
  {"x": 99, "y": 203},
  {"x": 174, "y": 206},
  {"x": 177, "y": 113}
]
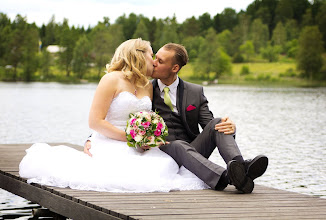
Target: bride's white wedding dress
[{"x": 114, "y": 167}]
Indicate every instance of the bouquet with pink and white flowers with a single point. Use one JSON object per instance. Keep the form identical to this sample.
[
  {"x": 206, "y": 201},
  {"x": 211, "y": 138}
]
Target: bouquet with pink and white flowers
[{"x": 145, "y": 129}]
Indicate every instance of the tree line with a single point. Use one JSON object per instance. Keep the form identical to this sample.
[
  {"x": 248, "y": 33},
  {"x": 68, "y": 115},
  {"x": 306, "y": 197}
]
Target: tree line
[{"x": 267, "y": 28}]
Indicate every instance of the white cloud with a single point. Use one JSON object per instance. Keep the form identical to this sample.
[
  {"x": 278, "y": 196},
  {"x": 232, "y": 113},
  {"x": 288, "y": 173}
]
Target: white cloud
[{"x": 89, "y": 12}]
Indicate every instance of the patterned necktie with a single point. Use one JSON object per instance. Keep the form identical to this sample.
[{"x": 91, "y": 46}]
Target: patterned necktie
[{"x": 167, "y": 99}]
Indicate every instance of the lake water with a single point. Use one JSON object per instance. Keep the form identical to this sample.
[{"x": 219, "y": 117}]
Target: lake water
[{"x": 286, "y": 124}]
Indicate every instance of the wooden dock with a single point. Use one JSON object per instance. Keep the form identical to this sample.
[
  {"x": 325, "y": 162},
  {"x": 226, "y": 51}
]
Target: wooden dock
[{"x": 263, "y": 203}]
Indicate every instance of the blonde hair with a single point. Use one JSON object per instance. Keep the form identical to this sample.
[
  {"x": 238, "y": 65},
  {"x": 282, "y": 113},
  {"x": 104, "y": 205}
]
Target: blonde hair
[{"x": 130, "y": 59}]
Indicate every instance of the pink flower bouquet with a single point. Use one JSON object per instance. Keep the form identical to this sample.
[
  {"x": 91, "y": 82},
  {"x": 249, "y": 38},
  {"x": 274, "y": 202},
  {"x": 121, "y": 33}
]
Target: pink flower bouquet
[{"x": 145, "y": 129}]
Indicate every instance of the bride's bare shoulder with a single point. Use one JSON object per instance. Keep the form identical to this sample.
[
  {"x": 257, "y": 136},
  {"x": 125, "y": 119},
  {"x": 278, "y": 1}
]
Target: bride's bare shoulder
[{"x": 112, "y": 77}]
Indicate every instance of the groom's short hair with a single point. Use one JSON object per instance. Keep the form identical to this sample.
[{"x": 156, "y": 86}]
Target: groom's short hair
[{"x": 181, "y": 56}]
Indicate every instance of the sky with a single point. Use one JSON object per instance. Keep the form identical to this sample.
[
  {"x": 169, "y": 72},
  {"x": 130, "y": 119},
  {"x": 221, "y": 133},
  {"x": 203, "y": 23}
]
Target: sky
[{"x": 90, "y": 12}]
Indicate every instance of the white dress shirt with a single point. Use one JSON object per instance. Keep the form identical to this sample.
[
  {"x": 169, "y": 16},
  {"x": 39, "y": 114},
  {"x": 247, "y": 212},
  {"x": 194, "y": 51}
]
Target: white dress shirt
[{"x": 173, "y": 92}]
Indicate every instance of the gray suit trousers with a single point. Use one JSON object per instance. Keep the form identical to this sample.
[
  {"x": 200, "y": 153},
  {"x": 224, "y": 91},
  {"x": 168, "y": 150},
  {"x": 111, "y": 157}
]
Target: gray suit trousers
[{"x": 194, "y": 156}]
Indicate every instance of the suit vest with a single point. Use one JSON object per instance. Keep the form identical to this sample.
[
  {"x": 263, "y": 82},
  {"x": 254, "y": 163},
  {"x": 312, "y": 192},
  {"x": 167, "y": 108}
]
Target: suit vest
[{"x": 176, "y": 128}]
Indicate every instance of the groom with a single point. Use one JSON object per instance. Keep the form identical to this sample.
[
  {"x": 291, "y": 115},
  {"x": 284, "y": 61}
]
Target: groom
[{"x": 183, "y": 106}]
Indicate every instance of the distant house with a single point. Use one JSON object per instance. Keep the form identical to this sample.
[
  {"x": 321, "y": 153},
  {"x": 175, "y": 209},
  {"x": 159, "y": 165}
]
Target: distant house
[{"x": 55, "y": 49}]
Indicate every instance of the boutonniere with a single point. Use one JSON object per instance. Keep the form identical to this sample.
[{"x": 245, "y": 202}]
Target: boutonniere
[{"x": 190, "y": 108}]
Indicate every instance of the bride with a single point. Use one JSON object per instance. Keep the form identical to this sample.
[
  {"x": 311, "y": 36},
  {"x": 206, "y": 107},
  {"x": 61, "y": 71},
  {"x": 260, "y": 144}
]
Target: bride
[{"x": 114, "y": 166}]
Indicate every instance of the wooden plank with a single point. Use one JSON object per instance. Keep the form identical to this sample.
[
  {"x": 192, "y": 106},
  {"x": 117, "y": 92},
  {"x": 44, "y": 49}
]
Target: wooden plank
[{"x": 51, "y": 201}]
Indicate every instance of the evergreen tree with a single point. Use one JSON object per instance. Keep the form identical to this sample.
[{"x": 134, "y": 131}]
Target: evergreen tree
[
  {"x": 141, "y": 31},
  {"x": 67, "y": 42},
  {"x": 45, "y": 63},
  {"x": 190, "y": 27},
  {"x": 50, "y": 33},
  {"x": 247, "y": 49},
  {"x": 105, "y": 40},
  {"x": 16, "y": 44},
  {"x": 284, "y": 11},
  {"x": 321, "y": 20},
  {"x": 228, "y": 19},
  {"x": 81, "y": 57},
  {"x": 206, "y": 53},
  {"x": 217, "y": 23},
  {"x": 158, "y": 35},
  {"x": 279, "y": 35},
  {"x": 5, "y": 38},
  {"x": 307, "y": 19},
  {"x": 192, "y": 44},
  {"x": 271, "y": 53},
  {"x": 309, "y": 56},
  {"x": 205, "y": 22},
  {"x": 224, "y": 40},
  {"x": 292, "y": 29},
  {"x": 259, "y": 34},
  {"x": 212, "y": 58},
  {"x": 169, "y": 33},
  {"x": 129, "y": 25},
  {"x": 30, "y": 50}
]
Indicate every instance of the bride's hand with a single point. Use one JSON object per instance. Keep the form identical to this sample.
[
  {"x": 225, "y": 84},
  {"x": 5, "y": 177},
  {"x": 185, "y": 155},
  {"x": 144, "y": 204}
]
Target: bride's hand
[
  {"x": 145, "y": 147},
  {"x": 162, "y": 143},
  {"x": 87, "y": 147}
]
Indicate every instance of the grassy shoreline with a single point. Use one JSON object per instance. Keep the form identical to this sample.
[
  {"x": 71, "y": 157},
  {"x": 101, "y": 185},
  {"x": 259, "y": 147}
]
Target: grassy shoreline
[
  {"x": 260, "y": 73},
  {"x": 281, "y": 73}
]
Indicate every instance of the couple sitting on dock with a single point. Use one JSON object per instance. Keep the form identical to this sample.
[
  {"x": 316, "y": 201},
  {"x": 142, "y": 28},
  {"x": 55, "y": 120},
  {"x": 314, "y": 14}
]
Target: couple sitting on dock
[{"x": 179, "y": 164}]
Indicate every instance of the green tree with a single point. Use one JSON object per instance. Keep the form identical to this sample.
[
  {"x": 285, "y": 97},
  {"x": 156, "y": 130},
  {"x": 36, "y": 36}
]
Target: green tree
[
  {"x": 307, "y": 19},
  {"x": 205, "y": 22},
  {"x": 228, "y": 19},
  {"x": 279, "y": 35},
  {"x": 221, "y": 63},
  {"x": 309, "y": 56},
  {"x": 265, "y": 10},
  {"x": 224, "y": 40},
  {"x": 81, "y": 56},
  {"x": 321, "y": 20},
  {"x": 129, "y": 25},
  {"x": 50, "y": 33},
  {"x": 292, "y": 29},
  {"x": 292, "y": 48},
  {"x": 247, "y": 49},
  {"x": 5, "y": 38},
  {"x": 271, "y": 53},
  {"x": 30, "y": 50},
  {"x": 284, "y": 11},
  {"x": 105, "y": 40},
  {"x": 211, "y": 57},
  {"x": 141, "y": 31},
  {"x": 192, "y": 45},
  {"x": 240, "y": 34},
  {"x": 190, "y": 27},
  {"x": 16, "y": 44},
  {"x": 67, "y": 42},
  {"x": 259, "y": 34},
  {"x": 45, "y": 63},
  {"x": 299, "y": 9},
  {"x": 158, "y": 34},
  {"x": 217, "y": 23},
  {"x": 204, "y": 62},
  {"x": 169, "y": 32}
]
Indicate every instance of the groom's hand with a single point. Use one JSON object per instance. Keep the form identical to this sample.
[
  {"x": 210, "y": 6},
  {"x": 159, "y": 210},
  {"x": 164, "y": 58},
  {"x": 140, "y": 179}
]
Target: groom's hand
[
  {"x": 87, "y": 147},
  {"x": 226, "y": 126}
]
